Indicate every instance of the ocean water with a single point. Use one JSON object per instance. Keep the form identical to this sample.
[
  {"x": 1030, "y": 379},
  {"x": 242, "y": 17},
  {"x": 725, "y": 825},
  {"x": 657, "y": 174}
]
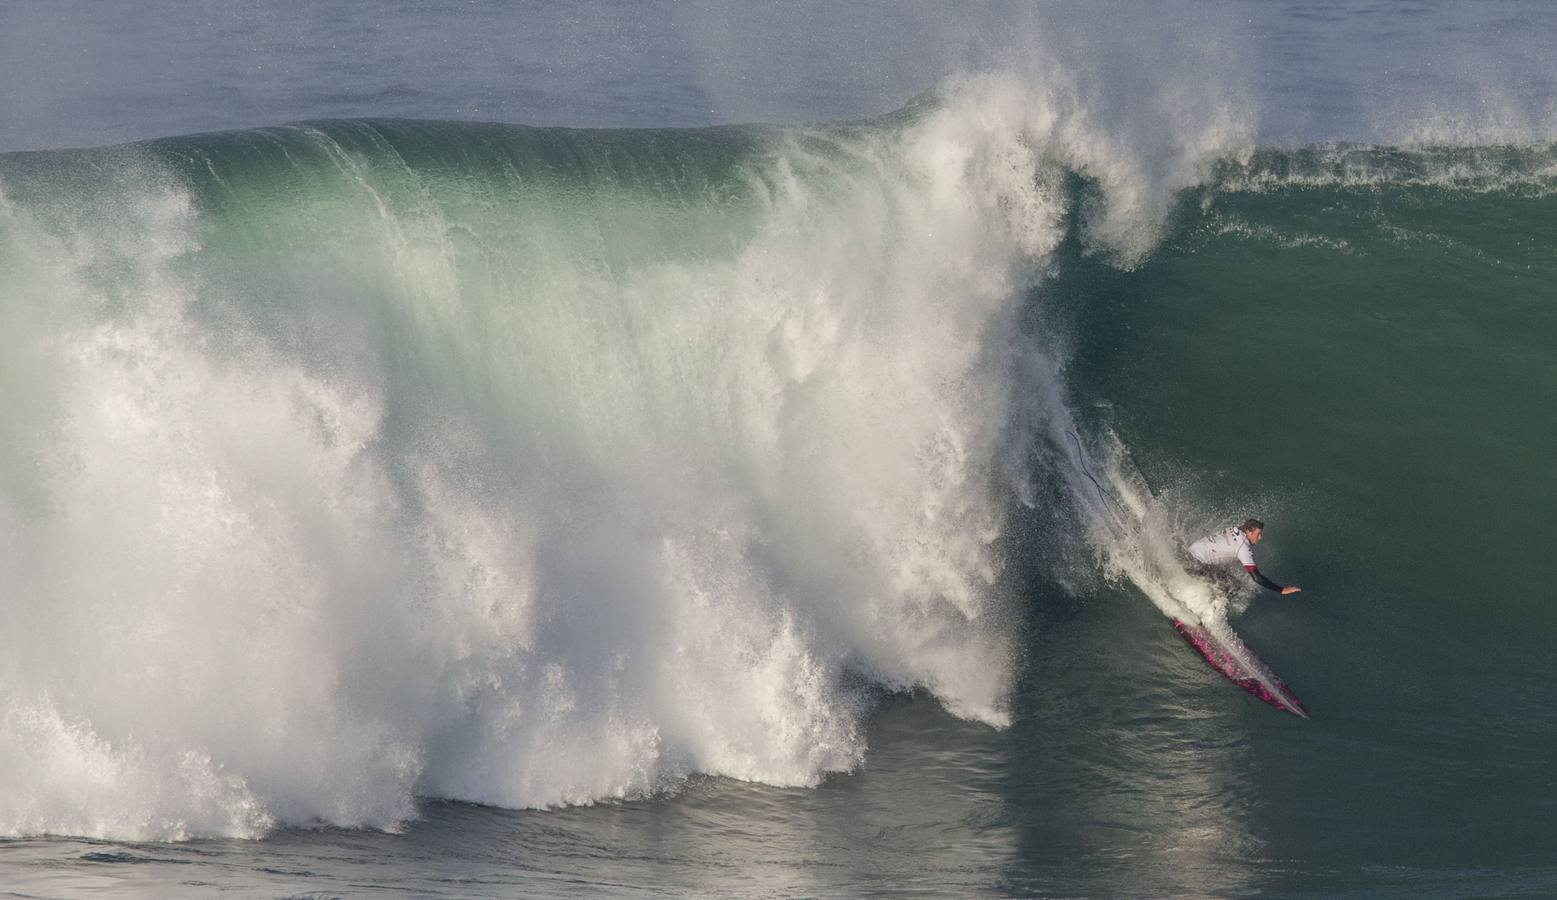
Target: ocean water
[{"x": 509, "y": 450}]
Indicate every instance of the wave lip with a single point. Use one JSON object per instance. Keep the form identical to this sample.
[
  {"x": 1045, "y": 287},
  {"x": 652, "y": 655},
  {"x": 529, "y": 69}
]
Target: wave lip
[{"x": 1526, "y": 169}]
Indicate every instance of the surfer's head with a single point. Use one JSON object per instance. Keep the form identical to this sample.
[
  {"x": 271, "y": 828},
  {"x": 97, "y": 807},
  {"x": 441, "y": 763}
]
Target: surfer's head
[{"x": 1254, "y": 528}]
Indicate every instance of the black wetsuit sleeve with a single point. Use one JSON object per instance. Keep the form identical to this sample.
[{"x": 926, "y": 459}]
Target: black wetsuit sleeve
[{"x": 1261, "y": 580}]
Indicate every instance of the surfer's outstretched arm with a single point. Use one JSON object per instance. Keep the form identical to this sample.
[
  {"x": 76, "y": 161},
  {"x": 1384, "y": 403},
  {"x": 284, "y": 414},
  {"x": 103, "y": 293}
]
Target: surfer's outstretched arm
[{"x": 1262, "y": 581}]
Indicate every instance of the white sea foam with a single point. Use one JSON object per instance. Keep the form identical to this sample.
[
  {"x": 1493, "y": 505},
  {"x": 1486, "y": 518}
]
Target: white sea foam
[
  {"x": 563, "y": 523},
  {"x": 1519, "y": 168}
]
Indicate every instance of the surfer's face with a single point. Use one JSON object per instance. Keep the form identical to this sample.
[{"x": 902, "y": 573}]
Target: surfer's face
[{"x": 1254, "y": 535}]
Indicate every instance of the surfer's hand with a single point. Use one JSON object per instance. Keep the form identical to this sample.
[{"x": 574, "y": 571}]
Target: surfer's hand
[{"x": 1290, "y": 589}]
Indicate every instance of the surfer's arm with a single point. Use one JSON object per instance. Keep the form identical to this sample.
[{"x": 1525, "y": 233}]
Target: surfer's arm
[{"x": 1261, "y": 580}]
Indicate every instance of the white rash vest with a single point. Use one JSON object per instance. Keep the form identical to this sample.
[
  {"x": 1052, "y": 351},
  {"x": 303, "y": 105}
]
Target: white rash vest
[{"x": 1224, "y": 547}]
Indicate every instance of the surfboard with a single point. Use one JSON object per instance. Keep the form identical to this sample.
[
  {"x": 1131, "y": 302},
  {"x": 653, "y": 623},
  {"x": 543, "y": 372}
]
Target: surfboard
[{"x": 1226, "y": 652}]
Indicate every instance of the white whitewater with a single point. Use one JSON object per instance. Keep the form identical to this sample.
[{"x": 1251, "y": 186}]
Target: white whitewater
[{"x": 532, "y": 513}]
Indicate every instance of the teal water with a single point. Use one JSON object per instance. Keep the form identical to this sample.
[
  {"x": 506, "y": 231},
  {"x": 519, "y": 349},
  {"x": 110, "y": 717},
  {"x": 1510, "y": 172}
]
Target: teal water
[
  {"x": 395, "y": 506},
  {"x": 1366, "y": 368}
]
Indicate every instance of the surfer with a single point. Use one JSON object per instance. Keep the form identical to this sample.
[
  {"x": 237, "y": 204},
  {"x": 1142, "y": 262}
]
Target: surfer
[{"x": 1224, "y": 547}]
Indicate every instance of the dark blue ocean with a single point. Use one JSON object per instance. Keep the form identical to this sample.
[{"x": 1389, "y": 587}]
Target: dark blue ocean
[{"x": 475, "y": 449}]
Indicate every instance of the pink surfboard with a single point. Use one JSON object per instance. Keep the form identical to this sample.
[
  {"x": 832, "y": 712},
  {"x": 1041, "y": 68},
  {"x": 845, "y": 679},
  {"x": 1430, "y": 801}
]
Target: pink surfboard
[{"x": 1227, "y": 654}]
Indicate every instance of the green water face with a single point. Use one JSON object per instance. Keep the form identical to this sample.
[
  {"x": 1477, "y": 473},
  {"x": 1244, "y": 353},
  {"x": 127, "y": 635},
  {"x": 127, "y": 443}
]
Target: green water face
[
  {"x": 1371, "y": 371},
  {"x": 1402, "y": 379},
  {"x": 1375, "y": 365}
]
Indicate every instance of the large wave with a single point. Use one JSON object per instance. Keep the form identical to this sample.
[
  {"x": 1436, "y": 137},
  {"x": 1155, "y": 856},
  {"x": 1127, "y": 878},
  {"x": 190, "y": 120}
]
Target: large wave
[
  {"x": 347, "y": 463},
  {"x": 352, "y": 462}
]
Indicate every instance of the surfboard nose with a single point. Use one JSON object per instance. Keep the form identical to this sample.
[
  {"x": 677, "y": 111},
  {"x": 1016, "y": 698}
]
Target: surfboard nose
[{"x": 1229, "y": 656}]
